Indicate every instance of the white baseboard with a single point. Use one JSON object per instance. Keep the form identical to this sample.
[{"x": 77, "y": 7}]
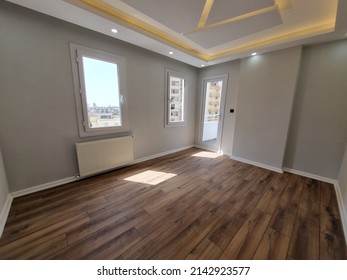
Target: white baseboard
[
  {"x": 43, "y": 187},
  {"x": 162, "y": 154},
  {"x": 227, "y": 154},
  {"x": 4, "y": 213},
  {"x": 265, "y": 166},
  {"x": 343, "y": 212},
  {"x": 309, "y": 175}
]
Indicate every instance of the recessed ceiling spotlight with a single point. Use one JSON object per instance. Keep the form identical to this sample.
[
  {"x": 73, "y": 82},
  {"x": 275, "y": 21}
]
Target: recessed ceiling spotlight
[
  {"x": 171, "y": 52},
  {"x": 253, "y": 54},
  {"x": 114, "y": 30},
  {"x": 202, "y": 65}
]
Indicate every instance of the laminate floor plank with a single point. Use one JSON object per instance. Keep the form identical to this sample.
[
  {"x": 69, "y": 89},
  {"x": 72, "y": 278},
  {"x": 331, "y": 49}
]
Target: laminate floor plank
[
  {"x": 191, "y": 204},
  {"x": 291, "y": 197},
  {"x": 305, "y": 238},
  {"x": 154, "y": 205},
  {"x": 41, "y": 220},
  {"x": 273, "y": 246},
  {"x": 283, "y": 221},
  {"x": 116, "y": 247},
  {"x": 162, "y": 235},
  {"x": 17, "y": 247},
  {"x": 228, "y": 199},
  {"x": 331, "y": 231},
  {"x": 260, "y": 185},
  {"x": 304, "y": 243},
  {"x": 226, "y": 229},
  {"x": 59, "y": 206},
  {"x": 45, "y": 249},
  {"x": 189, "y": 238},
  {"x": 172, "y": 212},
  {"x": 80, "y": 250},
  {"x": 205, "y": 250},
  {"x": 247, "y": 239},
  {"x": 270, "y": 198}
]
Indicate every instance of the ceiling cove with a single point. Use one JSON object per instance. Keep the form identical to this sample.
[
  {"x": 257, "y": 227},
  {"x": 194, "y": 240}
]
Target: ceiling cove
[{"x": 213, "y": 29}]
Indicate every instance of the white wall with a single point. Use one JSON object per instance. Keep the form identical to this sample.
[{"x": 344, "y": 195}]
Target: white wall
[
  {"x": 4, "y": 195},
  {"x": 319, "y": 124},
  {"x": 37, "y": 104},
  {"x": 266, "y": 92}
]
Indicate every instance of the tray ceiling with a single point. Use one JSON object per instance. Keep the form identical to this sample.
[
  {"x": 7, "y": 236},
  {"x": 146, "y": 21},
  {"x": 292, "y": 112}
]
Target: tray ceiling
[{"x": 205, "y": 31}]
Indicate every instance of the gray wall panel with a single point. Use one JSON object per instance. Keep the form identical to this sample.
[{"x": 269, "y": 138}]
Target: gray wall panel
[
  {"x": 265, "y": 98},
  {"x": 318, "y": 132}
]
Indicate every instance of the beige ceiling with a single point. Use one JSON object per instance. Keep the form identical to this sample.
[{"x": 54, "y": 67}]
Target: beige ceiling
[{"x": 206, "y": 31}]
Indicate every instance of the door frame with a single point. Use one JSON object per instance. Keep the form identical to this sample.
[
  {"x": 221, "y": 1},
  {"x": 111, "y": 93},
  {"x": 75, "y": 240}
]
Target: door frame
[{"x": 204, "y": 82}]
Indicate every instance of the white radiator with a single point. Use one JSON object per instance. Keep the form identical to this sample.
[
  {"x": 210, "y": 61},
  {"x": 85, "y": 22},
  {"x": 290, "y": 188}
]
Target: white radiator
[{"x": 102, "y": 155}]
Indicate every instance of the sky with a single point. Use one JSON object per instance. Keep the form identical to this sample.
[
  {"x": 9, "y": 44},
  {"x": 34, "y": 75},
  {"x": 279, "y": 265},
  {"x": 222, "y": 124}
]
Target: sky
[{"x": 101, "y": 81}]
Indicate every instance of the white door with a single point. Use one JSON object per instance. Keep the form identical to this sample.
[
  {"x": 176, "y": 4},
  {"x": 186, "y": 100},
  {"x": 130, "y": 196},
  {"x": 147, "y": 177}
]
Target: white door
[{"x": 214, "y": 90}]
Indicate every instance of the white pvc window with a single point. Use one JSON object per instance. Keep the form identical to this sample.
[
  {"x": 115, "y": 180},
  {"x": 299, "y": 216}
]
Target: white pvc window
[
  {"x": 100, "y": 87},
  {"x": 176, "y": 99}
]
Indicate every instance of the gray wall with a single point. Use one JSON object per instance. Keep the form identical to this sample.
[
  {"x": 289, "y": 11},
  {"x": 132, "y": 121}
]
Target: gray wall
[
  {"x": 342, "y": 181},
  {"x": 232, "y": 69},
  {"x": 318, "y": 132},
  {"x": 38, "y": 123},
  {"x": 266, "y": 92}
]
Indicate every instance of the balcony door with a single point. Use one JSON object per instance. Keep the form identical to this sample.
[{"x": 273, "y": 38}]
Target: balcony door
[{"x": 214, "y": 90}]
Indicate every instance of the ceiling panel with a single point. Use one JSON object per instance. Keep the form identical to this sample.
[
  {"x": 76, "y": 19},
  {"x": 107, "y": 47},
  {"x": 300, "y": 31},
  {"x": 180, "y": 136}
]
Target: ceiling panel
[
  {"x": 179, "y": 15},
  {"x": 214, "y": 36},
  {"x": 226, "y": 9}
]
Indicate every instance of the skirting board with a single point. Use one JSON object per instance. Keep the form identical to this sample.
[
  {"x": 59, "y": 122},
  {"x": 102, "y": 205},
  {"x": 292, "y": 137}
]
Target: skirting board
[
  {"x": 4, "y": 213},
  {"x": 265, "y": 166},
  {"x": 162, "y": 154},
  {"x": 309, "y": 175},
  {"x": 43, "y": 187}
]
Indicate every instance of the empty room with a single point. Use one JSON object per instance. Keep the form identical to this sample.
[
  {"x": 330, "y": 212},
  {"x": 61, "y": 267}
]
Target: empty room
[{"x": 173, "y": 130}]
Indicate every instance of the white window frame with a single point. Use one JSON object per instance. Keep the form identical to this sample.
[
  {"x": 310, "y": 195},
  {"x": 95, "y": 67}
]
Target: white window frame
[
  {"x": 168, "y": 75},
  {"x": 77, "y": 53}
]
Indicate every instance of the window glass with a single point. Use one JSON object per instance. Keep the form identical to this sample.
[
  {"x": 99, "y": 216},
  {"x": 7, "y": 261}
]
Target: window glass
[
  {"x": 102, "y": 93},
  {"x": 176, "y": 96},
  {"x": 176, "y": 106}
]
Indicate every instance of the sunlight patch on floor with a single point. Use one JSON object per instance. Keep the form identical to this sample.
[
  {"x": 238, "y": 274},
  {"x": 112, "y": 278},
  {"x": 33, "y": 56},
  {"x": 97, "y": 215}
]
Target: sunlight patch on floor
[
  {"x": 151, "y": 177},
  {"x": 206, "y": 155}
]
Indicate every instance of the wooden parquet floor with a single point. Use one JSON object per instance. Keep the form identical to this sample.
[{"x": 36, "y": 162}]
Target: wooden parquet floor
[{"x": 187, "y": 205}]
